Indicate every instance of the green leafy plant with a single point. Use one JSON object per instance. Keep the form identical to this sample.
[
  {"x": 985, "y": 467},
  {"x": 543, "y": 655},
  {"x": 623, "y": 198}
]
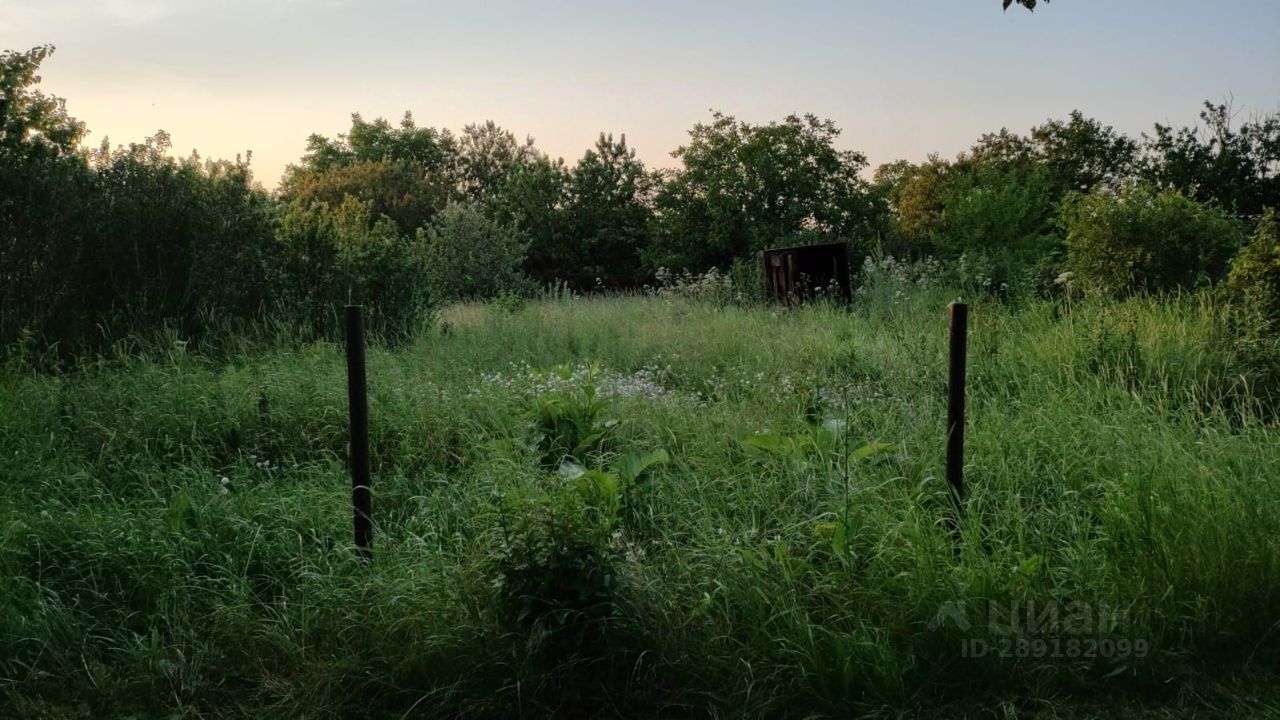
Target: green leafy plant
[
  {"x": 818, "y": 443},
  {"x": 508, "y": 302},
  {"x": 558, "y": 574},
  {"x": 607, "y": 491},
  {"x": 1144, "y": 240},
  {"x": 1254, "y": 286},
  {"x": 470, "y": 255},
  {"x": 568, "y": 423}
]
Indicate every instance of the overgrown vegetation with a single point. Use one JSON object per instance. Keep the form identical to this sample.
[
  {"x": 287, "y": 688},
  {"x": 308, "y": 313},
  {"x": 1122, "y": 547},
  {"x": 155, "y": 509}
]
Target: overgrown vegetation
[
  {"x": 609, "y": 481},
  {"x": 648, "y": 506},
  {"x": 96, "y": 244}
]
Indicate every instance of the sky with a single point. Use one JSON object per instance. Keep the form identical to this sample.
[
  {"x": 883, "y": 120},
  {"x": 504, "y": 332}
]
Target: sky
[{"x": 901, "y": 79}]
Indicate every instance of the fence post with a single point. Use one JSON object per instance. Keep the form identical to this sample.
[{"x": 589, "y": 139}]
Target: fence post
[
  {"x": 358, "y": 457},
  {"x": 959, "y": 326}
]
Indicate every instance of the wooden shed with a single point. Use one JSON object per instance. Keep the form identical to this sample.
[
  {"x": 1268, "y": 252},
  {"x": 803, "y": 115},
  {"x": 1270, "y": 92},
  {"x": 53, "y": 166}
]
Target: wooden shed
[{"x": 801, "y": 273}]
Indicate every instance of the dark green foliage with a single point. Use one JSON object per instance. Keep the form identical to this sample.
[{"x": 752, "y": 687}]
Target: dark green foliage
[
  {"x": 1237, "y": 169},
  {"x": 1255, "y": 274},
  {"x": 559, "y": 575},
  {"x": 1143, "y": 240},
  {"x": 609, "y": 216},
  {"x": 568, "y": 426},
  {"x": 1000, "y": 197},
  {"x": 96, "y": 245},
  {"x": 746, "y": 187},
  {"x": 1081, "y": 153},
  {"x": 1254, "y": 285},
  {"x": 533, "y": 197},
  {"x": 32, "y": 123},
  {"x": 405, "y": 173},
  {"x": 486, "y": 156},
  {"x": 1003, "y": 213},
  {"x": 326, "y": 257},
  {"x": 469, "y": 255}
]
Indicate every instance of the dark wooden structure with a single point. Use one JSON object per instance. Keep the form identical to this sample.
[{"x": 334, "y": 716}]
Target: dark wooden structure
[{"x": 797, "y": 274}]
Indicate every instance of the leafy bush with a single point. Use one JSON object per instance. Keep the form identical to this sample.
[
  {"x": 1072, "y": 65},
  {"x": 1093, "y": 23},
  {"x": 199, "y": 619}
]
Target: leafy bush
[
  {"x": 561, "y": 547},
  {"x": 1143, "y": 240},
  {"x": 329, "y": 256},
  {"x": 1254, "y": 284},
  {"x": 567, "y": 423},
  {"x": 1001, "y": 213},
  {"x": 1255, "y": 273},
  {"x": 558, "y": 573},
  {"x": 469, "y": 255}
]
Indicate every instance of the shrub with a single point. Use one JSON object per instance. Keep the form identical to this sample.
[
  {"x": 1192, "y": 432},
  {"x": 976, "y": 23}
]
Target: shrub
[
  {"x": 1000, "y": 213},
  {"x": 1254, "y": 285},
  {"x": 1255, "y": 273},
  {"x": 558, "y": 573},
  {"x": 562, "y": 550},
  {"x": 1143, "y": 240},
  {"x": 470, "y": 255},
  {"x": 328, "y": 256}
]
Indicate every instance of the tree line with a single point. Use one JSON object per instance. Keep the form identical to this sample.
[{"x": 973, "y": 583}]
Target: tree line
[{"x": 99, "y": 242}]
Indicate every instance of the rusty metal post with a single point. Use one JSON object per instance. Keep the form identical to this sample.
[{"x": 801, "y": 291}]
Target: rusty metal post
[
  {"x": 358, "y": 399},
  {"x": 955, "y": 400}
]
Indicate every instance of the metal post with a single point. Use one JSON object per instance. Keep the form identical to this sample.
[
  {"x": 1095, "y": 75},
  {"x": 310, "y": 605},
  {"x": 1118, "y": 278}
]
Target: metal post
[
  {"x": 955, "y": 400},
  {"x": 358, "y": 398}
]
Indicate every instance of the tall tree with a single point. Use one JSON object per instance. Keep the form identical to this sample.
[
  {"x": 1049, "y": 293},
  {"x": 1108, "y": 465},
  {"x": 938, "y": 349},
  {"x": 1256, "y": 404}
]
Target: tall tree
[
  {"x": 1081, "y": 152},
  {"x": 743, "y": 187},
  {"x": 610, "y": 214},
  {"x": 406, "y": 173},
  {"x": 1237, "y": 168},
  {"x": 47, "y": 202},
  {"x": 486, "y": 155},
  {"x": 533, "y": 198}
]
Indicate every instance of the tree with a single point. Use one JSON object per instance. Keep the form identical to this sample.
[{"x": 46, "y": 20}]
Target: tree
[
  {"x": 1028, "y": 4},
  {"x": 1255, "y": 274},
  {"x": 1236, "y": 168},
  {"x": 30, "y": 121},
  {"x": 327, "y": 255},
  {"x": 486, "y": 155},
  {"x": 175, "y": 240},
  {"x": 609, "y": 194},
  {"x": 379, "y": 141},
  {"x": 405, "y": 173},
  {"x": 1080, "y": 153},
  {"x": 1143, "y": 239},
  {"x": 46, "y": 202},
  {"x": 744, "y": 187},
  {"x": 917, "y": 196},
  {"x": 469, "y": 255},
  {"x": 533, "y": 198}
]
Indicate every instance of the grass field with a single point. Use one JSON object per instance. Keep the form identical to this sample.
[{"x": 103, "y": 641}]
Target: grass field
[{"x": 752, "y": 522}]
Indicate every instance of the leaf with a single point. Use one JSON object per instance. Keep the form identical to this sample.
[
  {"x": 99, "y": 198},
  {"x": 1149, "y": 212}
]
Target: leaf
[
  {"x": 1029, "y": 565},
  {"x": 772, "y": 443},
  {"x": 870, "y": 449},
  {"x": 840, "y": 542},
  {"x": 179, "y": 513},
  {"x": 596, "y": 485},
  {"x": 632, "y": 465},
  {"x": 588, "y": 443}
]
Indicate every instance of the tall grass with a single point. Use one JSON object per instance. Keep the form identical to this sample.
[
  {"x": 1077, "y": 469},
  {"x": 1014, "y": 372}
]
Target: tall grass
[{"x": 174, "y": 527}]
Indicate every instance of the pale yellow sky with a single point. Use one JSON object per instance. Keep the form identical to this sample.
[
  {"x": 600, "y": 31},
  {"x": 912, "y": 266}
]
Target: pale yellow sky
[{"x": 901, "y": 79}]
